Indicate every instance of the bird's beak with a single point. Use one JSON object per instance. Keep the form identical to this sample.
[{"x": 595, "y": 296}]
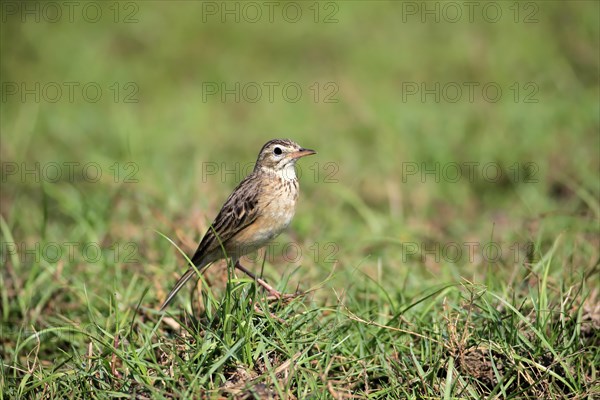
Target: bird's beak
[{"x": 302, "y": 153}]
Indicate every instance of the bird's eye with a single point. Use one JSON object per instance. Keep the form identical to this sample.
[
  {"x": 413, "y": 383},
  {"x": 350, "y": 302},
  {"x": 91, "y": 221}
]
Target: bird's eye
[{"x": 277, "y": 150}]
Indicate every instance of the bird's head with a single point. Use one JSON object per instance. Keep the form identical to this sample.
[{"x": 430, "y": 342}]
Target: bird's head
[{"x": 279, "y": 155}]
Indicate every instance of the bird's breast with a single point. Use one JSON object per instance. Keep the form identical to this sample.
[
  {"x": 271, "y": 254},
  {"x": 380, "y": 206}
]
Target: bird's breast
[
  {"x": 280, "y": 205},
  {"x": 277, "y": 205}
]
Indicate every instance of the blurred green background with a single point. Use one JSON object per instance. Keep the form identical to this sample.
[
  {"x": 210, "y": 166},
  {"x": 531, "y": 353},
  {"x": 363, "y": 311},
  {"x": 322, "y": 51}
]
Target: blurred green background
[
  {"x": 119, "y": 120},
  {"x": 357, "y": 65}
]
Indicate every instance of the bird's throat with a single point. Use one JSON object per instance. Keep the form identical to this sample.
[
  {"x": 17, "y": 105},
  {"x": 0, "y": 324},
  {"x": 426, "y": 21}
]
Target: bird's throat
[{"x": 288, "y": 172}]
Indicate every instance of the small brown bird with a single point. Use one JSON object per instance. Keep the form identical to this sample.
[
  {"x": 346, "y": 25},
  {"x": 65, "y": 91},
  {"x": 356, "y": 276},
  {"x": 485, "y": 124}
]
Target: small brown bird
[{"x": 260, "y": 207}]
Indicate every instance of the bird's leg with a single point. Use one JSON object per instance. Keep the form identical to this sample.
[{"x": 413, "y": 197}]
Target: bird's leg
[{"x": 272, "y": 291}]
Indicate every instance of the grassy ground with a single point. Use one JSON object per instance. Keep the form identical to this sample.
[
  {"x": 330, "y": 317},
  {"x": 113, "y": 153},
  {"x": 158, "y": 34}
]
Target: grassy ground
[{"x": 448, "y": 239}]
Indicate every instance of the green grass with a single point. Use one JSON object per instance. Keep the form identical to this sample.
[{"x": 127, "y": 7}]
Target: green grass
[{"x": 392, "y": 310}]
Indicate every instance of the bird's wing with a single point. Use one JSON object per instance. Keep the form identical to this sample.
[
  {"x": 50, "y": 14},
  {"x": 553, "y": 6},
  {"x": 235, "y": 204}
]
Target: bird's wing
[{"x": 239, "y": 211}]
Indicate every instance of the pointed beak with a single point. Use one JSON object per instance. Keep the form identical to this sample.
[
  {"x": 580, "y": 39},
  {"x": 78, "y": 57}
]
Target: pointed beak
[{"x": 302, "y": 153}]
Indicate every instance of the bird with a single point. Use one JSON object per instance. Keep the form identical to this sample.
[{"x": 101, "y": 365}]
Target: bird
[{"x": 258, "y": 210}]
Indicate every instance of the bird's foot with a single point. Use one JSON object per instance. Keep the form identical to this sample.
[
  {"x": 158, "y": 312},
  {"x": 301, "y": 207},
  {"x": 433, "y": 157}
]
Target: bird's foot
[{"x": 274, "y": 294}]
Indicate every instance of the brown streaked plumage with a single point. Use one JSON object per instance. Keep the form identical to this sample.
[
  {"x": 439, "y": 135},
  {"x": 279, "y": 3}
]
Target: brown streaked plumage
[{"x": 257, "y": 210}]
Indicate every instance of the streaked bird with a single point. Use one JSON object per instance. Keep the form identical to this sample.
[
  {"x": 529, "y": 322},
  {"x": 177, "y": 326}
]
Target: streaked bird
[{"x": 257, "y": 211}]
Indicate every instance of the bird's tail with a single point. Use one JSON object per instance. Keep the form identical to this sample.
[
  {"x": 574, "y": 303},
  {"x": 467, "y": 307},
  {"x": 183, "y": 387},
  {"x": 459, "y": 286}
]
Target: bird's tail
[{"x": 182, "y": 281}]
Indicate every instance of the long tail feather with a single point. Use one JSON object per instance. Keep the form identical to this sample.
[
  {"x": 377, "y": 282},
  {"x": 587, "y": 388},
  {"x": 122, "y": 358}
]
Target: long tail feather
[{"x": 182, "y": 281}]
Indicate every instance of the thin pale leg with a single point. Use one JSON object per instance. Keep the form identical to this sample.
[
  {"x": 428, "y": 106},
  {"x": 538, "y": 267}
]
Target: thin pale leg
[{"x": 272, "y": 291}]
